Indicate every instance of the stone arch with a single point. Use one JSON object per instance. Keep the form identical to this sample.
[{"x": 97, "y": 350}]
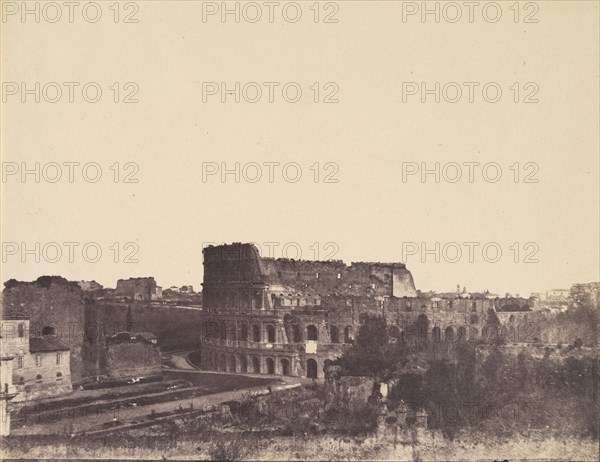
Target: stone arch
[
  {"x": 244, "y": 331},
  {"x": 270, "y": 333},
  {"x": 255, "y": 365},
  {"x": 449, "y": 334},
  {"x": 311, "y": 369},
  {"x": 312, "y": 332},
  {"x": 334, "y": 333},
  {"x": 255, "y": 333},
  {"x": 270, "y": 366},
  {"x": 394, "y": 332},
  {"x": 285, "y": 366},
  {"x": 243, "y": 364},
  {"x": 436, "y": 334}
]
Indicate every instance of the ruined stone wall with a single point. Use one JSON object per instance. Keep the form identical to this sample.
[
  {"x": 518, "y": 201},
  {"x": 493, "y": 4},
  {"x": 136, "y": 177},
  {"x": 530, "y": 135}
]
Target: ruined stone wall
[
  {"x": 137, "y": 288},
  {"x": 235, "y": 276},
  {"x": 53, "y": 303},
  {"x": 132, "y": 359},
  {"x": 175, "y": 328}
]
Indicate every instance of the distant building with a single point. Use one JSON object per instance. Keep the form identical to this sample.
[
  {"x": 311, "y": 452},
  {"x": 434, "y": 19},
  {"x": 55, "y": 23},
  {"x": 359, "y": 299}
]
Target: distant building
[
  {"x": 89, "y": 286},
  {"x": 139, "y": 289}
]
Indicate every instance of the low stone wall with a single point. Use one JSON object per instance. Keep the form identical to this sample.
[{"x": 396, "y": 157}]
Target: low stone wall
[{"x": 138, "y": 359}]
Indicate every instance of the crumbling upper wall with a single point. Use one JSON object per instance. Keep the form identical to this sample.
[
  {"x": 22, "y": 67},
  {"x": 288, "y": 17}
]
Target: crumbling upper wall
[{"x": 55, "y": 306}]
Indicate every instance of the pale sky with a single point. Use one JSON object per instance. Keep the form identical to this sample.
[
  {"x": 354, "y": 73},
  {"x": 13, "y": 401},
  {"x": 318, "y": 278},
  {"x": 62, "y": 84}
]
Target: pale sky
[{"x": 370, "y": 213}]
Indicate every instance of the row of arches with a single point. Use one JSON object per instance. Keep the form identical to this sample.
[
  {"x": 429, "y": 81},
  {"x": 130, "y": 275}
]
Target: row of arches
[
  {"x": 258, "y": 333},
  {"x": 238, "y": 363}
]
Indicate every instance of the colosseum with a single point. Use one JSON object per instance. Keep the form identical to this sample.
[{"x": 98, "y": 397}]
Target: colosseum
[{"x": 289, "y": 317}]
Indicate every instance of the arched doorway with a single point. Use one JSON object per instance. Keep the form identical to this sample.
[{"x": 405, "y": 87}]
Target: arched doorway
[
  {"x": 311, "y": 369},
  {"x": 255, "y": 365},
  {"x": 255, "y": 333},
  {"x": 244, "y": 332},
  {"x": 436, "y": 334},
  {"x": 285, "y": 366},
  {"x": 270, "y": 366},
  {"x": 222, "y": 364},
  {"x": 449, "y": 334},
  {"x": 231, "y": 365},
  {"x": 335, "y": 334},
  {"x": 462, "y": 334},
  {"x": 270, "y": 333},
  {"x": 243, "y": 364}
]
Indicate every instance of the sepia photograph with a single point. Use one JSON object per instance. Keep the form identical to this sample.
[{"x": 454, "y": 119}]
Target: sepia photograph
[{"x": 311, "y": 230}]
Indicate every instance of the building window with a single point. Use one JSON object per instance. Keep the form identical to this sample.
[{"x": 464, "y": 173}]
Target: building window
[
  {"x": 19, "y": 362},
  {"x": 317, "y": 275},
  {"x": 21, "y": 329},
  {"x": 58, "y": 359},
  {"x": 38, "y": 360}
]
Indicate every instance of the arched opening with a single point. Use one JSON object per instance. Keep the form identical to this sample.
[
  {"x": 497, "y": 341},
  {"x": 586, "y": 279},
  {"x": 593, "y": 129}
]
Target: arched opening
[
  {"x": 48, "y": 330},
  {"x": 270, "y": 366},
  {"x": 244, "y": 332},
  {"x": 21, "y": 329},
  {"x": 335, "y": 334},
  {"x": 349, "y": 334},
  {"x": 436, "y": 334},
  {"x": 255, "y": 365},
  {"x": 232, "y": 334},
  {"x": 311, "y": 333},
  {"x": 474, "y": 333},
  {"x": 511, "y": 319},
  {"x": 422, "y": 326},
  {"x": 255, "y": 333},
  {"x": 223, "y": 331},
  {"x": 285, "y": 366},
  {"x": 38, "y": 377},
  {"x": 461, "y": 334},
  {"x": 243, "y": 364},
  {"x": 362, "y": 318},
  {"x": 297, "y": 333},
  {"x": 222, "y": 363},
  {"x": 311, "y": 369},
  {"x": 231, "y": 365},
  {"x": 270, "y": 333},
  {"x": 449, "y": 334}
]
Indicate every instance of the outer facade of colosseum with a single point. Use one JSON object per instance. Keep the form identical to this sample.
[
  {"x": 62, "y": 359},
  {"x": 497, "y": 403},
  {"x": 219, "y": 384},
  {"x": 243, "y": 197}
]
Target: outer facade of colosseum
[{"x": 289, "y": 317}]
